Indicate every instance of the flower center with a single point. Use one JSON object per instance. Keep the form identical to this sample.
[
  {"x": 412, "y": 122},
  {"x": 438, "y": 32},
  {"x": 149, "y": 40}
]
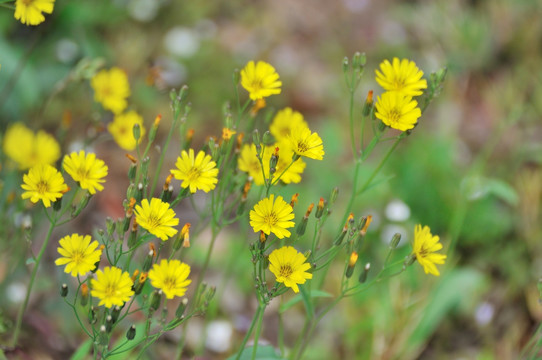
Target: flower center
[
  {"x": 394, "y": 115},
  {"x": 110, "y": 290},
  {"x": 169, "y": 282},
  {"x": 153, "y": 221},
  {"x": 286, "y": 270},
  {"x": 193, "y": 174},
  {"x": 42, "y": 187},
  {"x": 77, "y": 257},
  {"x": 82, "y": 173},
  {"x": 27, "y": 2},
  {"x": 302, "y": 146},
  {"x": 271, "y": 219},
  {"x": 257, "y": 85}
]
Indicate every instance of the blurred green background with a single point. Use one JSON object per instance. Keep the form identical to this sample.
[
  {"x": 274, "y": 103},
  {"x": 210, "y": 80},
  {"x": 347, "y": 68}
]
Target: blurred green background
[{"x": 471, "y": 170}]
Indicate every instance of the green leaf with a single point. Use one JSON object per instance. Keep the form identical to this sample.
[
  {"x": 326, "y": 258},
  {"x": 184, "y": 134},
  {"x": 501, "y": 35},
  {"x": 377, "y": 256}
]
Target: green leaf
[
  {"x": 266, "y": 352},
  {"x": 297, "y": 298},
  {"x": 83, "y": 351}
]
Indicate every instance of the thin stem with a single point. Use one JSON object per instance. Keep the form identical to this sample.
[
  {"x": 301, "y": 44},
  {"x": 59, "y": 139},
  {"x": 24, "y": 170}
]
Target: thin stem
[
  {"x": 258, "y": 332},
  {"x": 249, "y": 332},
  {"x": 19, "y": 321}
]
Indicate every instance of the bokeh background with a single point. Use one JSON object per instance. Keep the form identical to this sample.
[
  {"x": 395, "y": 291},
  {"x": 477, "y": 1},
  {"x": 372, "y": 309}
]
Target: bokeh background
[{"x": 471, "y": 170}]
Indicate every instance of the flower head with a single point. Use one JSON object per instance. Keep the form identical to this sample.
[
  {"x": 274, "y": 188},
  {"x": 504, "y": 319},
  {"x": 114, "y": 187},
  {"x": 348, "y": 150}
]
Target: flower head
[
  {"x": 260, "y": 80},
  {"x": 171, "y": 276},
  {"x": 289, "y": 267},
  {"x": 306, "y": 143},
  {"x": 401, "y": 76},
  {"x": 272, "y": 215},
  {"x": 157, "y": 218},
  {"x": 112, "y": 286},
  {"x": 86, "y": 170},
  {"x": 397, "y": 111},
  {"x": 111, "y": 89},
  {"x": 45, "y": 183},
  {"x": 122, "y": 129},
  {"x": 78, "y": 253},
  {"x": 198, "y": 173},
  {"x": 28, "y": 149},
  {"x": 284, "y": 121},
  {"x": 29, "y": 12},
  {"x": 425, "y": 248}
]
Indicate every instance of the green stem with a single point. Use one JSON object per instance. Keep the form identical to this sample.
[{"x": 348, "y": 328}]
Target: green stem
[
  {"x": 258, "y": 332},
  {"x": 249, "y": 332},
  {"x": 19, "y": 321}
]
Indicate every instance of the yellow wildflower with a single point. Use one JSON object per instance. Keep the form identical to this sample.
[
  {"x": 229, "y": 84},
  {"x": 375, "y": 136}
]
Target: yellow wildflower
[
  {"x": 29, "y": 12},
  {"x": 122, "y": 129},
  {"x": 45, "y": 183},
  {"x": 272, "y": 215},
  {"x": 112, "y": 286},
  {"x": 111, "y": 89},
  {"x": 86, "y": 169},
  {"x": 306, "y": 143},
  {"x": 28, "y": 149},
  {"x": 402, "y": 76},
  {"x": 260, "y": 80},
  {"x": 78, "y": 254},
  {"x": 425, "y": 248},
  {"x": 289, "y": 267},
  {"x": 171, "y": 276},
  {"x": 397, "y": 111},
  {"x": 284, "y": 121},
  {"x": 157, "y": 218},
  {"x": 197, "y": 173}
]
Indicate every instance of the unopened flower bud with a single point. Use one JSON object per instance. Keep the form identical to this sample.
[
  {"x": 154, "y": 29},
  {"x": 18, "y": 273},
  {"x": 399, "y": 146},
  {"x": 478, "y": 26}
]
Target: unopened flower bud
[
  {"x": 138, "y": 287},
  {"x": 364, "y": 273},
  {"x": 154, "y": 128},
  {"x": 368, "y": 106},
  {"x": 181, "y": 308},
  {"x": 156, "y": 299},
  {"x": 351, "y": 264},
  {"x": 263, "y": 239},
  {"x": 84, "y": 295},
  {"x": 108, "y": 323},
  {"x": 149, "y": 259},
  {"x": 103, "y": 338},
  {"x": 334, "y": 195},
  {"x": 132, "y": 238},
  {"x": 345, "y": 64},
  {"x": 320, "y": 208},
  {"x": 64, "y": 290},
  {"x": 110, "y": 226},
  {"x": 131, "y": 333},
  {"x": 395, "y": 240},
  {"x": 136, "y": 130},
  {"x": 293, "y": 201},
  {"x": 115, "y": 313}
]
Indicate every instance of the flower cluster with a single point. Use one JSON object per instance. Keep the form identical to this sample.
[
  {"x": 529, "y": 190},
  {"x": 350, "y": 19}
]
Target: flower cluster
[{"x": 402, "y": 81}]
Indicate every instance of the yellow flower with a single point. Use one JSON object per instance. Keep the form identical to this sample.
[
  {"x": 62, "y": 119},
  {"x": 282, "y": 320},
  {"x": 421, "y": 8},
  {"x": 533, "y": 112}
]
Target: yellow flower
[
  {"x": 272, "y": 216},
  {"x": 284, "y": 121},
  {"x": 289, "y": 267},
  {"x": 306, "y": 143},
  {"x": 111, "y": 89},
  {"x": 112, "y": 287},
  {"x": 86, "y": 170},
  {"x": 260, "y": 80},
  {"x": 157, "y": 218},
  {"x": 228, "y": 133},
  {"x": 122, "y": 129},
  {"x": 425, "y": 248},
  {"x": 45, "y": 183},
  {"x": 28, "y": 149},
  {"x": 29, "y": 12},
  {"x": 249, "y": 163},
  {"x": 397, "y": 111},
  {"x": 401, "y": 76},
  {"x": 171, "y": 277},
  {"x": 78, "y": 254},
  {"x": 199, "y": 173}
]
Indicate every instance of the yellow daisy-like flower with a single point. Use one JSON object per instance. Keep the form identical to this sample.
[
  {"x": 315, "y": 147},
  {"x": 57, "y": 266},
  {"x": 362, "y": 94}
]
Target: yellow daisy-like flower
[
  {"x": 78, "y": 254},
  {"x": 111, "y": 89},
  {"x": 284, "y": 121},
  {"x": 249, "y": 163},
  {"x": 88, "y": 171},
  {"x": 122, "y": 129},
  {"x": 272, "y": 216},
  {"x": 29, "y": 12},
  {"x": 306, "y": 143},
  {"x": 289, "y": 267},
  {"x": 112, "y": 287},
  {"x": 157, "y": 218},
  {"x": 171, "y": 277},
  {"x": 28, "y": 149},
  {"x": 45, "y": 183},
  {"x": 199, "y": 173},
  {"x": 397, "y": 111},
  {"x": 425, "y": 248},
  {"x": 293, "y": 172},
  {"x": 402, "y": 76},
  {"x": 260, "y": 80}
]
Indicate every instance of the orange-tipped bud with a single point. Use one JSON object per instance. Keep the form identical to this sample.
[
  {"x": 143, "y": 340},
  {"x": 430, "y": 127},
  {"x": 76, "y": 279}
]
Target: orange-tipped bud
[
  {"x": 102, "y": 247},
  {"x": 189, "y": 135},
  {"x": 157, "y": 120},
  {"x": 143, "y": 277},
  {"x": 276, "y": 153},
  {"x": 131, "y": 158},
  {"x": 84, "y": 294},
  {"x": 348, "y": 221},
  {"x": 353, "y": 259},
  {"x": 263, "y": 237},
  {"x": 367, "y": 223},
  {"x": 65, "y": 190},
  {"x": 309, "y": 210},
  {"x": 185, "y": 235},
  {"x": 369, "y": 99},
  {"x": 239, "y": 141},
  {"x": 135, "y": 274},
  {"x": 258, "y": 105},
  {"x": 320, "y": 208},
  {"x": 168, "y": 181},
  {"x": 293, "y": 201}
]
